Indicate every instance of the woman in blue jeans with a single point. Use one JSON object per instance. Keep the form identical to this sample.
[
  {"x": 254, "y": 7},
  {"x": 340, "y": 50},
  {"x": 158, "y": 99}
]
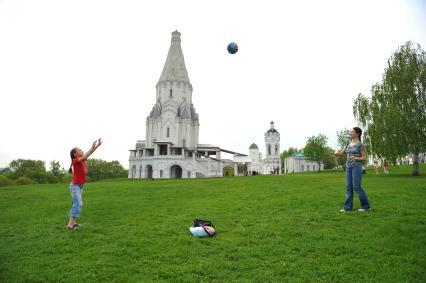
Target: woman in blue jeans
[{"x": 356, "y": 153}]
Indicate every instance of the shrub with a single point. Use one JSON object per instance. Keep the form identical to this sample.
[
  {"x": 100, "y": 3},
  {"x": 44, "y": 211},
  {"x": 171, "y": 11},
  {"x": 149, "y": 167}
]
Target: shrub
[
  {"x": 66, "y": 178},
  {"x": 5, "y": 181},
  {"x": 24, "y": 181}
]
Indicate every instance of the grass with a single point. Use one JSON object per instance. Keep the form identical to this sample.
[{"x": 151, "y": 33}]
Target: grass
[{"x": 270, "y": 229}]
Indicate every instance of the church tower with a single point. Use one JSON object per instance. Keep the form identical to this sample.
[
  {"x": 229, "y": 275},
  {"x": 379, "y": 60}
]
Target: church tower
[
  {"x": 173, "y": 118},
  {"x": 171, "y": 148},
  {"x": 272, "y": 143}
]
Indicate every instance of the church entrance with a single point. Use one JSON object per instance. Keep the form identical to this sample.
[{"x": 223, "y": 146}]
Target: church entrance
[
  {"x": 242, "y": 169},
  {"x": 148, "y": 171},
  {"x": 175, "y": 172}
]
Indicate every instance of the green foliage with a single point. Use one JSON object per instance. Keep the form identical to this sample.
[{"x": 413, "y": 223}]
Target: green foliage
[
  {"x": 315, "y": 149},
  {"x": 394, "y": 118},
  {"x": 98, "y": 169},
  {"x": 55, "y": 168},
  {"x": 4, "y": 170},
  {"x": 289, "y": 152},
  {"x": 24, "y": 181},
  {"x": 228, "y": 171},
  {"x": 5, "y": 181},
  {"x": 285, "y": 228},
  {"x": 343, "y": 139},
  {"x": 33, "y": 169},
  {"x": 329, "y": 158},
  {"x": 65, "y": 178}
]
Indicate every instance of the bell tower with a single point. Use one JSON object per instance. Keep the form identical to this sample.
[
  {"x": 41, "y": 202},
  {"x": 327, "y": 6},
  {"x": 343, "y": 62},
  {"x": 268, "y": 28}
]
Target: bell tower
[{"x": 272, "y": 143}]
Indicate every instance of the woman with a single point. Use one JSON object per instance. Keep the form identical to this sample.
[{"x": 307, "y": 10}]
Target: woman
[{"x": 356, "y": 153}]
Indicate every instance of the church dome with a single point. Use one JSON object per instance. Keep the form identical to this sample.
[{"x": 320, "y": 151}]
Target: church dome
[
  {"x": 272, "y": 129},
  {"x": 253, "y": 146}
]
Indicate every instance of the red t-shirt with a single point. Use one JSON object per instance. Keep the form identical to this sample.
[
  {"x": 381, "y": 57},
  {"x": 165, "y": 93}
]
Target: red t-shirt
[{"x": 80, "y": 171}]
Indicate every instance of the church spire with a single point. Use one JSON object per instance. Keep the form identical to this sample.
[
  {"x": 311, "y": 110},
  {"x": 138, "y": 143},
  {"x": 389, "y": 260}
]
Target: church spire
[{"x": 174, "y": 69}]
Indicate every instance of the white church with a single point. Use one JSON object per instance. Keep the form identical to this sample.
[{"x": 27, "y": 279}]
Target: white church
[{"x": 171, "y": 148}]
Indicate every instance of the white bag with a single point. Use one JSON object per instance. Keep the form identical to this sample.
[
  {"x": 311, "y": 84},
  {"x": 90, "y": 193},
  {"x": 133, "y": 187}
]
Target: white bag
[{"x": 201, "y": 231}]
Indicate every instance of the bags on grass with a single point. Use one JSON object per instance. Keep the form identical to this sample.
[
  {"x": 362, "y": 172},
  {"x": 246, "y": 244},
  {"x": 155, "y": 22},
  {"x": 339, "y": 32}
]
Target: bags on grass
[{"x": 202, "y": 228}]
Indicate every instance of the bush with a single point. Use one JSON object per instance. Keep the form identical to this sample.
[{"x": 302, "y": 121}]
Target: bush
[
  {"x": 5, "y": 181},
  {"x": 24, "y": 181},
  {"x": 66, "y": 178},
  {"x": 48, "y": 177}
]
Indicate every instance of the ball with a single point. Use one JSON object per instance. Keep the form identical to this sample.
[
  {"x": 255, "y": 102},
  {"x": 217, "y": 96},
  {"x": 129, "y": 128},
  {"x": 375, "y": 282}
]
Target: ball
[{"x": 232, "y": 48}]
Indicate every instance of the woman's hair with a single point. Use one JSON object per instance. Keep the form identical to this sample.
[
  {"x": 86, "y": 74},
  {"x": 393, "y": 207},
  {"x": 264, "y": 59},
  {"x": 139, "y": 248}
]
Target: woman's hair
[
  {"x": 358, "y": 131},
  {"x": 72, "y": 153}
]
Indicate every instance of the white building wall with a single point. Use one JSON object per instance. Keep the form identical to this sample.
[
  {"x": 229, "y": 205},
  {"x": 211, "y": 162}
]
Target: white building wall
[
  {"x": 161, "y": 167},
  {"x": 300, "y": 164}
]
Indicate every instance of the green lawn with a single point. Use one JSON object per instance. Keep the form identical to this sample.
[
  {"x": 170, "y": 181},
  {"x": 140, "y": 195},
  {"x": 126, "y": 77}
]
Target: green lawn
[{"x": 269, "y": 229}]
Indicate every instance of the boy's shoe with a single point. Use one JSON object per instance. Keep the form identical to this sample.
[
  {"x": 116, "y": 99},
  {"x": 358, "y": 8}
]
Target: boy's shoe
[
  {"x": 363, "y": 209},
  {"x": 343, "y": 210}
]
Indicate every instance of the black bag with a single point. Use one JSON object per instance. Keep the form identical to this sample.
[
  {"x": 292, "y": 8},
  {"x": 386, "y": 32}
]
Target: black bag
[{"x": 199, "y": 222}]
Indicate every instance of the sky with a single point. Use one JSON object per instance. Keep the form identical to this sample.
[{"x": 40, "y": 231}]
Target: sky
[{"x": 74, "y": 71}]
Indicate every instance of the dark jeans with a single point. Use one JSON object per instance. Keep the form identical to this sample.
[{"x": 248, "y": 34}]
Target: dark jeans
[{"x": 353, "y": 181}]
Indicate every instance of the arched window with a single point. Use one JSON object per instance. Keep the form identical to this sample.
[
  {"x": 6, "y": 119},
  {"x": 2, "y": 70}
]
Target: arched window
[
  {"x": 171, "y": 93},
  {"x": 269, "y": 149},
  {"x": 168, "y": 132}
]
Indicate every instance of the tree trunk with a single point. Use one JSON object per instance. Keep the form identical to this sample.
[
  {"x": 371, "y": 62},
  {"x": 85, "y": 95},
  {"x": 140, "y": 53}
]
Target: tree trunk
[{"x": 416, "y": 168}]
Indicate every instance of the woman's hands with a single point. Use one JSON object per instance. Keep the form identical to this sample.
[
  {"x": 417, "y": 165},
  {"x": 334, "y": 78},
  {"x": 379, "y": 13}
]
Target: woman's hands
[{"x": 339, "y": 153}]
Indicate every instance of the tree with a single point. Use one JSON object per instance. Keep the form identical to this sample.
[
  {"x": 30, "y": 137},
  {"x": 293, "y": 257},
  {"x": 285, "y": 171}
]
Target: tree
[
  {"x": 329, "y": 158},
  {"x": 4, "y": 170},
  {"x": 55, "y": 167},
  {"x": 99, "y": 169},
  {"x": 394, "y": 118},
  {"x": 289, "y": 152},
  {"x": 342, "y": 140},
  {"x": 33, "y": 169},
  {"x": 315, "y": 149}
]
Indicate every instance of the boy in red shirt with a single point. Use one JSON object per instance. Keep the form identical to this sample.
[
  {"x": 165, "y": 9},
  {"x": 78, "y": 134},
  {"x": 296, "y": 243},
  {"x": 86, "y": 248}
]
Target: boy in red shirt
[{"x": 78, "y": 169}]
